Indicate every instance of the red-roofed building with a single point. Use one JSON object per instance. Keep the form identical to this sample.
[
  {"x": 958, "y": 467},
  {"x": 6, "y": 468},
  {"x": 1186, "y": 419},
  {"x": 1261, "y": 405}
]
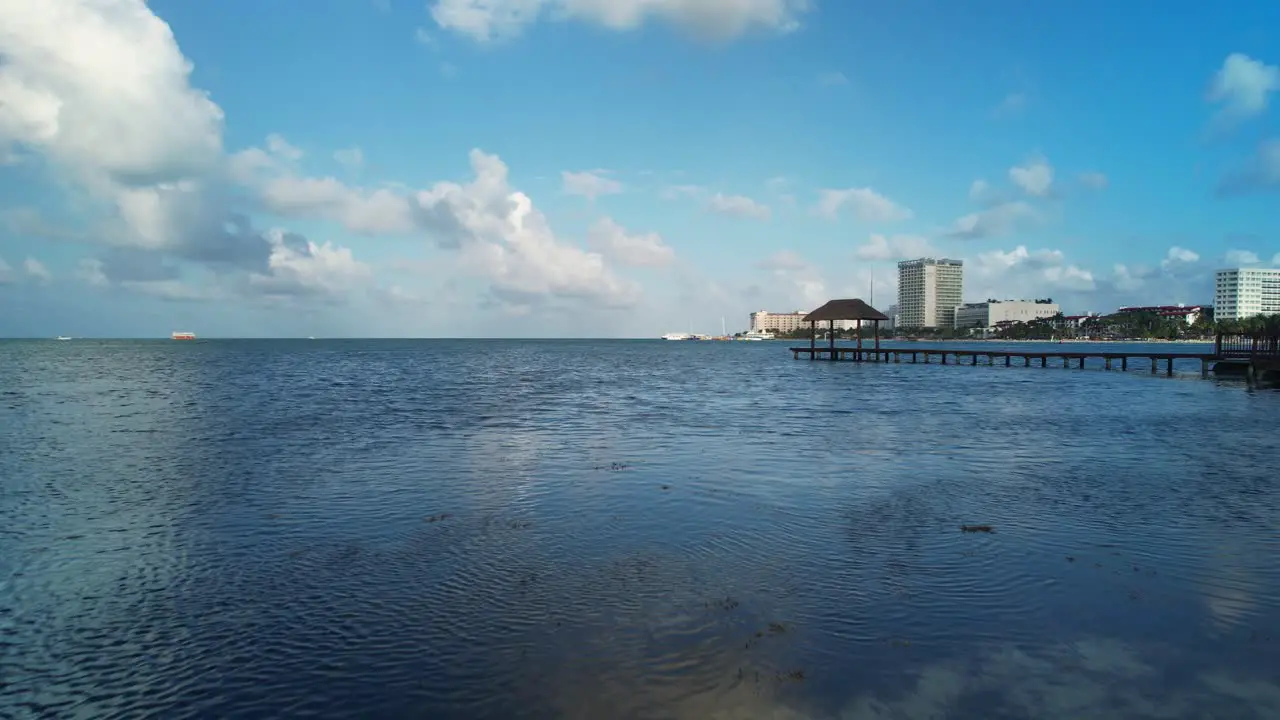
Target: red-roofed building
[{"x": 1189, "y": 313}]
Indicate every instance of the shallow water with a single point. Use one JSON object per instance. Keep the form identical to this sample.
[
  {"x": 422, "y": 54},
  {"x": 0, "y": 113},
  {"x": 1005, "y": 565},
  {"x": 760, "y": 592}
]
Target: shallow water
[{"x": 453, "y": 529}]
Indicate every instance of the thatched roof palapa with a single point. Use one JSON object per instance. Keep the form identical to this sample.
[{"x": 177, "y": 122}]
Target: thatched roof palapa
[{"x": 851, "y": 309}]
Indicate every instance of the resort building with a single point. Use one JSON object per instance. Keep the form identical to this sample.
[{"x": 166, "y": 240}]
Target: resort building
[
  {"x": 929, "y": 291},
  {"x": 994, "y": 312},
  {"x": 1187, "y": 313},
  {"x": 1245, "y": 292},
  {"x": 772, "y": 322}
]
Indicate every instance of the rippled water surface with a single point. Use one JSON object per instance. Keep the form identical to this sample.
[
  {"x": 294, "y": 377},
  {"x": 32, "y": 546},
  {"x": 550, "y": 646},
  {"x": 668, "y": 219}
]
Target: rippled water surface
[{"x": 435, "y": 529}]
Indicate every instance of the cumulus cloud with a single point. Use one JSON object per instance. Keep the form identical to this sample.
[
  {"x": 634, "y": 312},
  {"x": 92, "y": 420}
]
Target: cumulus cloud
[
  {"x": 1022, "y": 273},
  {"x": 115, "y": 113},
  {"x": 865, "y": 204},
  {"x": 351, "y": 158},
  {"x": 298, "y": 266},
  {"x": 1241, "y": 257},
  {"x": 1179, "y": 256},
  {"x": 37, "y": 271},
  {"x": 980, "y": 191},
  {"x": 505, "y": 238},
  {"x": 589, "y": 184},
  {"x": 612, "y": 240},
  {"x": 738, "y": 206},
  {"x": 1261, "y": 173},
  {"x": 1035, "y": 178},
  {"x": 498, "y": 233},
  {"x": 897, "y": 247},
  {"x": 996, "y": 221},
  {"x": 1242, "y": 85},
  {"x": 675, "y": 192},
  {"x": 116, "y": 116},
  {"x": 368, "y": 212},
  {"x": 801, "y": 281},
  {"x": 490, "y": 20}
]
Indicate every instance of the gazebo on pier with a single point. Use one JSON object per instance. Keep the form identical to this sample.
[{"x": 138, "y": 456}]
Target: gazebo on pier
[{"x": 850, "y": 309}]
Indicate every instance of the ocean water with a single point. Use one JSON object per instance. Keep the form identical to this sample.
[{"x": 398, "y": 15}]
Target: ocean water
[{"x": 492, "y": 529}]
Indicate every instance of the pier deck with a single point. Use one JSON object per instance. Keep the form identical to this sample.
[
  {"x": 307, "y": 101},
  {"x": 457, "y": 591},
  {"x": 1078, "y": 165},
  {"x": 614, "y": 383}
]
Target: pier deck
[{"x": 1063, "y": 358}]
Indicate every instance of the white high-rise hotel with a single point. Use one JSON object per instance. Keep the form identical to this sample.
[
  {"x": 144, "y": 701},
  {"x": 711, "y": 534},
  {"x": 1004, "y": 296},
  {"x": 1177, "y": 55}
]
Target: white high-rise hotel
[
  {"x": 1241, "y": 293},
  {"x": 929, "y": 291}
]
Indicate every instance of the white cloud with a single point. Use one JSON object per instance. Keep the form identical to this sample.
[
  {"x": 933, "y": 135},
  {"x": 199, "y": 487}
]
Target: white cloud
[
  {"x": 738, "y": 206},
  {"x": 802, "y": 282},
  {"x": 611, "y": 239},
  {"x": 506, "y": 239},
  {"x": 278, "y": 146},
  {"x": 897, "y": 247},
  {"x": 1242, "y": 86},
  {"x": 489, "y": 20},
  {"x": 1094, "y": 180},
  {"x": 298, "y": 266},
  {"x": 673, "y": 192},
  {"x": 979, "y": 191},
  {"x": 1035, "y": 178},
  {"x": 1241, "y": 257},
  {"x": 497, "y": 231},
  {"x": 867, "y": 205},
  {"x": 996, "y": 221},
  {"x": 351, "y": 158},
  {"x": 368, "y": 212},
  {"x": 1023, "y": 273},
  {"x": 589, "y": 184},
  {"x": 91, "y": 271},
  {"x": 116, "y": 115},
  {"x": 37, "y": 271},
  {"x": 1179, "y": 255}
]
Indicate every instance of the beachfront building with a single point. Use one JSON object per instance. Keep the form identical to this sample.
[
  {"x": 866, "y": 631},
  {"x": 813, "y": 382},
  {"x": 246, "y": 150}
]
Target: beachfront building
[
  {"x": 786, "y": 322},
  {"x": 1241, "y": 293},
  {"x": 892, "y": 322},
  {"x": 929, "y": 290},
  {"x": 1187, "y": 313},
  {"x": 994, "y": 312}
]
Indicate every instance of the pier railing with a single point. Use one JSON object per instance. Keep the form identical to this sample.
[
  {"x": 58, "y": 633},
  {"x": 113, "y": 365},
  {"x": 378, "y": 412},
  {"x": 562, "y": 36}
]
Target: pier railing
[{"x": 1247, "y": 346}]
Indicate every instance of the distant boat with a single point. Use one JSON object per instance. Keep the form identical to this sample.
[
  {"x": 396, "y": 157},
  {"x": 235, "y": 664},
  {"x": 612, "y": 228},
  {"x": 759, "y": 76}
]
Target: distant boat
[
  {"x": 757, "y": 335},
  {"x": 678, "y": 336},
  {"x": 183, "y": 336},
  {"x": 62, "y": 337}
]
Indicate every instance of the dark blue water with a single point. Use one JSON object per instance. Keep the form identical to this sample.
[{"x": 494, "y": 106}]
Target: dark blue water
[{"x": 624, "y": 530}]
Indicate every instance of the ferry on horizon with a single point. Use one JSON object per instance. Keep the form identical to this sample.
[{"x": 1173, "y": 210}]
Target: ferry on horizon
[{"x": 183, "y": 336}]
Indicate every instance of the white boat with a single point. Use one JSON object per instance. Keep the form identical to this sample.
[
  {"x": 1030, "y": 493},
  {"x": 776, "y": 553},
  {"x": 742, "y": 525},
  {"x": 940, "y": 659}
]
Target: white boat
[
  {"x": 62, "y": 337},
  {"x": 756, "y": 335},
  {"x": 678, "y": 336}
]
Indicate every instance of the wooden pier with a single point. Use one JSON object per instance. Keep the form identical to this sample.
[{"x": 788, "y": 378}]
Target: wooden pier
[
  {"x": 1256, "y": 356},
  {"x": 1029, "y": 357}
]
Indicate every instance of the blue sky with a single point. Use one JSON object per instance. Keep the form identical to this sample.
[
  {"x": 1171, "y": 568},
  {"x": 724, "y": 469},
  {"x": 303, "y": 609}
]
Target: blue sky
[{"x": 521, "y": 168}]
